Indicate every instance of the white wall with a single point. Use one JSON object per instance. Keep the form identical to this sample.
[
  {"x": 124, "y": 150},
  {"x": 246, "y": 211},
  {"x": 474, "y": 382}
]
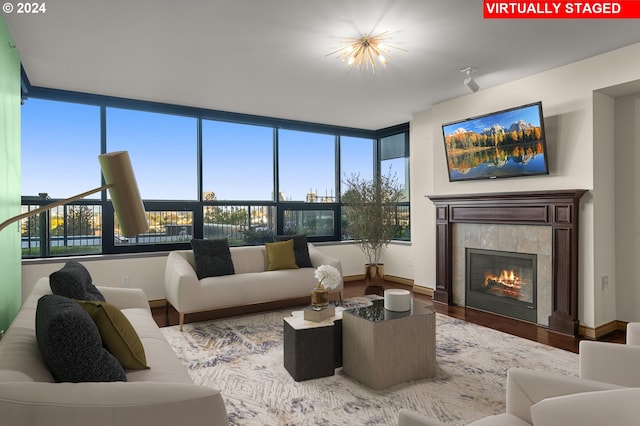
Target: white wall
[
  {"x": 423, "y": 214},
  {"x": 627, "y": 208},
  {"x": 604, "y": 289},
  {"x": 567, "y": 95},
  {"x": 146, "y": 271}
]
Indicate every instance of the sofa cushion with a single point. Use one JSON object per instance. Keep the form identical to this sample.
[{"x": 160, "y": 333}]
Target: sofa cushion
[
  {"x": 212, "y": 258},
  {"x": 300, "y": 249},
  {"x": 70, "y": 343},
  {"x": 74, "y": 281},
  {"x": 280, "y": 255},
  {"x": 117, "y": 333}
]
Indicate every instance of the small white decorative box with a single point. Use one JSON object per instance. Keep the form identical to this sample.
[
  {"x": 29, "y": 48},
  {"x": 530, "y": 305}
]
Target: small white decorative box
[{"x": 397, "y": 300}]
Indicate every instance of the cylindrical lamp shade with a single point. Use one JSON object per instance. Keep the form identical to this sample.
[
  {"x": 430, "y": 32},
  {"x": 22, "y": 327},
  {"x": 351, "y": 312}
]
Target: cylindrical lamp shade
[{"x": 125, "y": 196}]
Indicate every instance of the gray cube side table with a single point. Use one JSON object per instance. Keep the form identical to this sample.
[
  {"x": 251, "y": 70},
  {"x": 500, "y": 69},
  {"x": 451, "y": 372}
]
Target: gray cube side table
[{"x": 383, "y": 348}]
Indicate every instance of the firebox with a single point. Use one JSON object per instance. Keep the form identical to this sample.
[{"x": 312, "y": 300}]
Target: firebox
[{"x": 502, "y": 282}]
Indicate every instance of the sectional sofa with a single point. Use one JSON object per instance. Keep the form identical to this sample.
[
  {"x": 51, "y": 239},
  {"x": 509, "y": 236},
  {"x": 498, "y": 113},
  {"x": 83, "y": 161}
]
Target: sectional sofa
[{"x": 162, "y": 394}]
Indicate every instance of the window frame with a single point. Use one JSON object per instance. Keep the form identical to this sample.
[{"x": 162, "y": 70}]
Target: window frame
[{"x": 196, "y": 207}]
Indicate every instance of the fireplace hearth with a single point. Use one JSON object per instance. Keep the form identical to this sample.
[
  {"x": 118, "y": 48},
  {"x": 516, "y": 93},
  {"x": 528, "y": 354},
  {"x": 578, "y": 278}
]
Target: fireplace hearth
[{"x": 502, "y": 282}]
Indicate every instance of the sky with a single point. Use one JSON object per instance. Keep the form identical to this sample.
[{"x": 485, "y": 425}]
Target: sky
[{"x": 61, "y": 142}]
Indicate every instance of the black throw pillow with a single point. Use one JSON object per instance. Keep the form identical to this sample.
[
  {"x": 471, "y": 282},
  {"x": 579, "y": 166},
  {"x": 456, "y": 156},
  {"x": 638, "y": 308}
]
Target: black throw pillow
[
  {"x": 213, "y": 258},
  {"x": 70, "y": 343},
  {"x": 74, "y": 281},
  {"x": 300, "y": 249}
]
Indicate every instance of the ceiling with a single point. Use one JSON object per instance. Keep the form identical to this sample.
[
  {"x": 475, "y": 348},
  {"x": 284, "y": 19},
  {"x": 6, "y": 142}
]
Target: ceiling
[{"x": 269, "y": 58}]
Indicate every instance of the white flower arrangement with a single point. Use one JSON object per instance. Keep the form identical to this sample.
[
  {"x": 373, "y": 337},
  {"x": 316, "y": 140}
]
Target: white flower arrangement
[{"x": 327, "y": 276}]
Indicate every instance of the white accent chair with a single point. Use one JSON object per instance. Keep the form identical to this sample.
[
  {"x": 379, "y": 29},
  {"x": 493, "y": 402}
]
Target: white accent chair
[
  {"x": 613, "y": 362},
  {"x": 546, "y": 399}
]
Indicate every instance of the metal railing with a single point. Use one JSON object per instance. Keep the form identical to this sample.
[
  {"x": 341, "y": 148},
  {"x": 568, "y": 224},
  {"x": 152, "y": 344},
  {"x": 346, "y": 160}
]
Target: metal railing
[{"x": 77, "y": 228}]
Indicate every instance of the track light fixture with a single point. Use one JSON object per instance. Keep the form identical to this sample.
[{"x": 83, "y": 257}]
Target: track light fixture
[{"x": 469, "y": 81}]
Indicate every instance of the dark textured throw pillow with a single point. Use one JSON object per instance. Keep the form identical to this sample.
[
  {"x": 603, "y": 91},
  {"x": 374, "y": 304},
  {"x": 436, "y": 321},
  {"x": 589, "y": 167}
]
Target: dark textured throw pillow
[
  {"x": 70, "y": 343},
  {"x": 74, "y": 281},
  {"x": 300, "y": 249},
  {"x": 117, "y": 333},
  {"x": 213, "y": 258}
]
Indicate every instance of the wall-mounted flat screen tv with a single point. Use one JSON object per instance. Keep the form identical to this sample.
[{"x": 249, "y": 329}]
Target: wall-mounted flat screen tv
[{"x": 502, "y": 144}]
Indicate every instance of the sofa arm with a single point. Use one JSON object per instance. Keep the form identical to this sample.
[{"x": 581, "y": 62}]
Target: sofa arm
[
  {"x": 633, "y": 333},
  {"x": 610, "y": 363},
  {"x": 319, "y": 258},
  {"x": 179, "y": 279},
  {"x": 110, "y": 404},
  {"x": 124, "y": 298},
  {"x": 612, "y": 407},
  {"x": 527, "y": 387}
]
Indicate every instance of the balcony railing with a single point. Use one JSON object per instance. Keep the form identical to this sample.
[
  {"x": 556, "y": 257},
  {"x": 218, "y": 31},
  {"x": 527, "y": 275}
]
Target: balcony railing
[{"x": 77, "y": 229}]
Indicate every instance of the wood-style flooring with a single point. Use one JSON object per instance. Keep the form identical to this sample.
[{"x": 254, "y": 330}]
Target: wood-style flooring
[{"x": 357, "y": 288}]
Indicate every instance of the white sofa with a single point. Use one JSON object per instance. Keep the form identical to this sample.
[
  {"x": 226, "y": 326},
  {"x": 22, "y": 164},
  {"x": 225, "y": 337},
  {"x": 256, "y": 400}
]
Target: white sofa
[
  {"x": 164, "y": 394},
  {"x": 250, "y": 284},
  {"x": 545, "y": 399},
  {"x": 613, "y": 362}
]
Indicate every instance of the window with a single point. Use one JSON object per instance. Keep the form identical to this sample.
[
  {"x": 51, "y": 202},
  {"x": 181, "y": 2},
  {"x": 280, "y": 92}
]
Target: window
[
  {"x": 165, "y": 227},
  {"x": 394, "y": 159},
  {"x": 307, "y": 166},
  {"x": 240, "y": 224},
  {"x": 237, "y": 161},
  {"x": 60, "y": 142},
  {"x": 313, "y": 223},
  {"x": 201, "y": 174},
  {"x": 356, "y": 157},
  {"x": 163, "y": 151}
]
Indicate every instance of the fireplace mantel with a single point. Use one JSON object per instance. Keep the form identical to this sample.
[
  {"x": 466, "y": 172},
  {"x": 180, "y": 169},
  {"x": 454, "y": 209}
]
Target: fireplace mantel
[{"x": 558, "y": 209}]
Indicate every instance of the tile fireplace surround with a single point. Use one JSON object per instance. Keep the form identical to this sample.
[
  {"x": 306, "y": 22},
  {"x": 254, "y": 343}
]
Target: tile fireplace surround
[
  {"x": 531, "y": 239},
  {"x": 487, "y": 221}
]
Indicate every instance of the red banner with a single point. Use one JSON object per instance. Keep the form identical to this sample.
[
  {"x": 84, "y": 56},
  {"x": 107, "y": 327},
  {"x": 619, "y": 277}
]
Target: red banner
[{"x": 518, "y": 9}]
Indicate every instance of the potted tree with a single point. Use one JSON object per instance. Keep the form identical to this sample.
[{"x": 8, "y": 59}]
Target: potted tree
[{"x": 370, "y": 210}]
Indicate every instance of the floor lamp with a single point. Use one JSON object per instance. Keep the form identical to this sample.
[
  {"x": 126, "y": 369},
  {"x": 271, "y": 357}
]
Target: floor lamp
[{"x": 125, "y": 196}]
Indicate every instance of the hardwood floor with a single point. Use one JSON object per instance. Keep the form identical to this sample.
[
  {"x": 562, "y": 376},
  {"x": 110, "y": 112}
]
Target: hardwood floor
[{"x": 357, "y": 288}]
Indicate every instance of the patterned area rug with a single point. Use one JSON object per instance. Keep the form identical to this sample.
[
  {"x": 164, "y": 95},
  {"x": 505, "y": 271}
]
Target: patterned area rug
[{"x": 243, "y": 357}]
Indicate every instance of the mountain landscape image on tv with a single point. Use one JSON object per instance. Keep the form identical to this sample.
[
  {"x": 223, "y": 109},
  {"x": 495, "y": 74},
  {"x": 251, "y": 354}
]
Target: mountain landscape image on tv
[{"x": 502, "y": 144}]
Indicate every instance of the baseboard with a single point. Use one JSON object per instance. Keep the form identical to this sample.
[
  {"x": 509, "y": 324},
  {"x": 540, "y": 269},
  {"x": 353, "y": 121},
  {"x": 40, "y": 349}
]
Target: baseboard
[
  {"x": 157, "y": 303},
  {"x": 398, "y": 280},
  {"x": 350, "y": 278},
  {"x": 423, "y": 290},
  {"x": 602, "y": 330},
  {"x": 387, "y": 277}
]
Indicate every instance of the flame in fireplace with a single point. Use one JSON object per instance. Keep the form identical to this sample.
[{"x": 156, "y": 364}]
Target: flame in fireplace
[{"x": 507, "y": 283}]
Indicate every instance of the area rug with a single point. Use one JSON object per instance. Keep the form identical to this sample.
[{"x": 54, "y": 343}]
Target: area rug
[{"x": 243, "y": 357}]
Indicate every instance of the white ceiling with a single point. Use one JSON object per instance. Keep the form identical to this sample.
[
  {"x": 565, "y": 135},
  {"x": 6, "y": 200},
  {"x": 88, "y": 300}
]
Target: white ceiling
[{"x": 268, "y": 57}]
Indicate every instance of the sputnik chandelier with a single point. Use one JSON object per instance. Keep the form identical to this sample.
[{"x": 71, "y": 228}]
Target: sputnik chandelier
[{"x": 365, "y": 51}]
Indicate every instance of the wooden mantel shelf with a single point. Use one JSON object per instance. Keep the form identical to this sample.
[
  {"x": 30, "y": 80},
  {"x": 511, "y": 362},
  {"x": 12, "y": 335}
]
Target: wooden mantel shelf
[{"x": 557, "y": 208}]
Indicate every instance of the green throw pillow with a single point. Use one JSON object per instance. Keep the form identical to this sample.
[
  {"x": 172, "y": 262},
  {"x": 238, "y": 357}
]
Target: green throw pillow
[
  {"x": 281, "y": 256},
  {"x": 118, "y": 335},
  {"x": 300, "y": 249}
]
